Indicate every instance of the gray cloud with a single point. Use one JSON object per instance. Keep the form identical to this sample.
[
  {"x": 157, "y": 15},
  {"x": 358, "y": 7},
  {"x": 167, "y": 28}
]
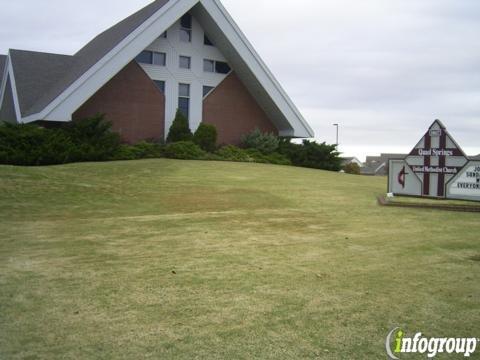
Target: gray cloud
[{"x": 383, "y": 69}]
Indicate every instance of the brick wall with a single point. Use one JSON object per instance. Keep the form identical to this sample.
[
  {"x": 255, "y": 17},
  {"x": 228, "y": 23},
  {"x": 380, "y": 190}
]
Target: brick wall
[
  {"x": 234, "y": 112},
  {"x": 132, "y": 102}
]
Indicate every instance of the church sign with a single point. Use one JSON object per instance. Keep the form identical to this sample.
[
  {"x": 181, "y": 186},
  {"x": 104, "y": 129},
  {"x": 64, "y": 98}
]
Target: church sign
[
  {"x": 437, "y": 168},
  {"x": 466, "y": 185}
]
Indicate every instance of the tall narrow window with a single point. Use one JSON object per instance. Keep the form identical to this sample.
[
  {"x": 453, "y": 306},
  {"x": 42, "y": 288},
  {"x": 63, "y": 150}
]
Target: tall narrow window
[
  {"x": 145, "y": 57},
  {"x": 184, "y": 99},
  {"x": 185, "y": 35},
  {"x": 160, "y": 85},
  {"x": 152, "y": 57},
  {"x": 185, "y": 62},
  {"x": 207, "y": 41},
  {"x": 186, "y": 21},
  {"x": 186, "y": 28},
  {"x": 207, "y": 90},
  {"x": 222, "y": 67},
  {"x": 208, "y": 65},
  {"x": 159, "y": 58},
  {"x": 219, "y": 67}
]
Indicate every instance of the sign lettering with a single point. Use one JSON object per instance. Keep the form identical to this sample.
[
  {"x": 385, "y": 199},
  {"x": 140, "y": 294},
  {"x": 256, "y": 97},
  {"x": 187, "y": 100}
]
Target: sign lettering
[
  {"x": 437, "y": 167},
  {"x": 435, "y": 170},
  {"x": 466, "y": 185}
]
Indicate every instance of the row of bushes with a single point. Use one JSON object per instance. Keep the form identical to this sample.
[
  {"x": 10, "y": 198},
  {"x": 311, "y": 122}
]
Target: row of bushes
[
  {"x": 88, "y": 140},
  {"x": 258, "y": 147},
  {"x": 92, "y": 140},
  {"x": 188, "y": 150}
]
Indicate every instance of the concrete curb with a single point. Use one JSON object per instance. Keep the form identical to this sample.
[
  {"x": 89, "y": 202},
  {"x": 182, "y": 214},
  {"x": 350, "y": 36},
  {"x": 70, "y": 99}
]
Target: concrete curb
[{"x": 458, "y": 208}]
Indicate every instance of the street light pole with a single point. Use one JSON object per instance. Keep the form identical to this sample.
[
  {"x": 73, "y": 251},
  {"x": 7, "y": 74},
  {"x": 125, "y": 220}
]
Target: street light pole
[{"x": 336, "y": 125}]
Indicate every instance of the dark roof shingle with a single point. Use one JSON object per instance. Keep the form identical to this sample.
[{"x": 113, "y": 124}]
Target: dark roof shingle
[
  {"x": 70, "y": 68},
  {"x": 3, "y": 60},
  {"x": 35, "y": 73}
]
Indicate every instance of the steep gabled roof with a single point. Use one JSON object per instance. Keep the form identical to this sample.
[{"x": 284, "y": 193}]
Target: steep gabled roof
[
  {"x": 250, "y": 68},
  {"x": 3, "y": 61},
  {"x": 106, "y": 41},
  {"x": 36, "y": 73},
  {"x": 91, "y": 53},
  {"x": 76, "y": 78}
]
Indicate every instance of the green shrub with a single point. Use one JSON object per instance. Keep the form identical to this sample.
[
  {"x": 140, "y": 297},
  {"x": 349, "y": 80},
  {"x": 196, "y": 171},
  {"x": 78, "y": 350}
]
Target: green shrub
[
  {"x": 31, "y": 145},
  {"x": 206, "y": 137},
  {"x": 126, "y": 152},
  {"x": 256, "y": 156},
  {"x": 352, "y": 168},
  {"x": 277, "y": 159},
  {"x": 185, "y": 150},
  {"x": 212, "y": 157},
  {"x": 233, "y": 153},
  {"x": 148, "y": 150},
  {"x": 85, "y": 140},
  {"x": 93, "y": 138},
  {"x": 142, "y": 150},
  {"x": 179, "y": 131},
  {"x": 57, "y": 148},
  {"x": 264, "y": 142},
  {"x": 273, "y": 158},
  {"x": 312, "y": 155}
]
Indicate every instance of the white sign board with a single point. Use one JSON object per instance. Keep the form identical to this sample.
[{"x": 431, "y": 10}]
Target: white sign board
[
  {"x": 437, "y": 168},
  {"x": 402, "y": 179},
  {"x": 466, "y": 185}
]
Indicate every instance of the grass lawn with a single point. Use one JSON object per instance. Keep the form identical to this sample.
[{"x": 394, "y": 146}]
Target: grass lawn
[{"x": 169, "y": 259}]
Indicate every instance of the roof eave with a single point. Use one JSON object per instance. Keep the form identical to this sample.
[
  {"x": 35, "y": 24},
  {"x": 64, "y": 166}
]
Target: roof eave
[
  {"x": 251, "y": 69},
  {"x": 9, "y": 74},
  {"x": 249, "y": 66}
]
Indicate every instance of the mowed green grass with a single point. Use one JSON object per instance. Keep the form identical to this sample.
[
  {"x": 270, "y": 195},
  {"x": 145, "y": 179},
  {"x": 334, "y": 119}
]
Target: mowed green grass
[{"x": 167, "y": 259}]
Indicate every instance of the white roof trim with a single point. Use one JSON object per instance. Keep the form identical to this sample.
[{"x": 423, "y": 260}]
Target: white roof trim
[
  {"x": 3, "y": 85},
  {"x": 271, "y": 84},
  {"x": 380, "y": 167},
  {"x": 75, "y": 95},
  {"x": 9, "y": 74},
  {"x": 89, "y": 83}
]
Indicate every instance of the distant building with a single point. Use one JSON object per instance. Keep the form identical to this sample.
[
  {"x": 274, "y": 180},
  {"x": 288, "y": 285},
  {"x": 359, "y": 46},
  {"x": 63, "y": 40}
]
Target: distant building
[
  {"x": 351, "y": 160},
  {"x": 378, "y": 165}
]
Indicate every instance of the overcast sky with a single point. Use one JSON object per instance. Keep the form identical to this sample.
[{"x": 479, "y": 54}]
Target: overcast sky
[{"x": 382, "y": 69}]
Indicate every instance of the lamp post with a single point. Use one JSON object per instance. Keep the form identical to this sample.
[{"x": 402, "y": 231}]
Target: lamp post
[{"x": 336, "y": 125}]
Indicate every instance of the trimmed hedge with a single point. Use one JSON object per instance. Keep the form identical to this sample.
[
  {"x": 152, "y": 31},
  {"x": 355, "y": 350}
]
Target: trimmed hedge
[
  {"x": 272, "y": 158},
  {"x": 185, "y": 150},
  {"x": 206, "y": 137},
  {"x": 31, "y": 145},
  {"x": 179, "y": 130},
  {"x": 311, "y": 154},
  {"x": 92, "y": 140},
  {"x": 266, "y": 143},
  {"x": 233, "y": 153},
  {"x": 142, "y": 150},
  {"x": 86, "y": 140}
]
